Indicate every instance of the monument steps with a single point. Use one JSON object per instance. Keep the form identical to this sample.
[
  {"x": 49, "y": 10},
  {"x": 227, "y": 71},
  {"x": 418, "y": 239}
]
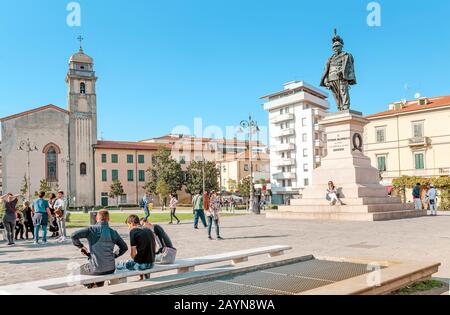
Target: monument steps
[
  {"x": 346, "y": 216},
  {"x": 348, "y": 208},
  {"x": 348, "y": 201}
]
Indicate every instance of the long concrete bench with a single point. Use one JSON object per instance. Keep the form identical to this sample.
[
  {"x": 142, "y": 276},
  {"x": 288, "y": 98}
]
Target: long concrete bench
[{"x": 181, "y": 266}]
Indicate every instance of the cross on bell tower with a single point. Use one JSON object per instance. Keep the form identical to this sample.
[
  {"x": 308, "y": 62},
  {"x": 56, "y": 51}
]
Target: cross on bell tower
[{"x": 81, "y": 39}]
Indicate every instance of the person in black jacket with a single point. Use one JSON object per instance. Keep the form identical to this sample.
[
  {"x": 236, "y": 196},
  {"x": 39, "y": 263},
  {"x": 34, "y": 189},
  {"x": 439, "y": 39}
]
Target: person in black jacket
[
  {"x": 102, "y": 241},
  {"x": 167, "y": 253},
  {"x": 28, "y": 219}
]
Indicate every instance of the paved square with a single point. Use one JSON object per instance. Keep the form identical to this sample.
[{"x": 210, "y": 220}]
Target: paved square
[{"x": 421, "y": 239}]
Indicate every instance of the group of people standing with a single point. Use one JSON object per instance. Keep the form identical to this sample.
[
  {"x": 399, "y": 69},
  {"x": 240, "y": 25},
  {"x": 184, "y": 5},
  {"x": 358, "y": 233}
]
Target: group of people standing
[
  {"x": 209, "y": 203},
  {"x": 36, "y": 215},
  {"x": 102, "y": 240},
  {"x": 429, "y": 202}
]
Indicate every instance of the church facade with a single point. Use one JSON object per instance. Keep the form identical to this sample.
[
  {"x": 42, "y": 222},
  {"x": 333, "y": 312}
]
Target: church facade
[{"x": 53, "y": 143}]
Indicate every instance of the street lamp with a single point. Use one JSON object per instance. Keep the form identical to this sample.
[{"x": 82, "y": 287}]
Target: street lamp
[
  {"x": 28, "y": 147},
  {"x": 252, "y": 127},
  {"x": 68, "y": 163}
]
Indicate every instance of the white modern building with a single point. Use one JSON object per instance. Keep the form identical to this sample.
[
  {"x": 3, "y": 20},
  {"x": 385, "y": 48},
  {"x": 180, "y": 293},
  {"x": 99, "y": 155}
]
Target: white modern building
[{"x": 297, "y": 141}]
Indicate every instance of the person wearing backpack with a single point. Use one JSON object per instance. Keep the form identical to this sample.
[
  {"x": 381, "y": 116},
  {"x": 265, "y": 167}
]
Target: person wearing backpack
[{"x": 197, "y": 203}]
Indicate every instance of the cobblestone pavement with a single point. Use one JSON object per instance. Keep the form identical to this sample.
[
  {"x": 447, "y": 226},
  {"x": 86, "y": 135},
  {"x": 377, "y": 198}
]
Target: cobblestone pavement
[{"x": 422, "y": 239}]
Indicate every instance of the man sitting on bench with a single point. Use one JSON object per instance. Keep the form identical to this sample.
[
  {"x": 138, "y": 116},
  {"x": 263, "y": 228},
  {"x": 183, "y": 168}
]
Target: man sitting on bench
[
  {"x": 102, "y": 241},
  {"x": 142, "y": 243}
]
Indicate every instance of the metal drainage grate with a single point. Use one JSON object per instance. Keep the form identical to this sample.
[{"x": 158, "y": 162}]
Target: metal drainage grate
[{"x": 283, "y": 280}]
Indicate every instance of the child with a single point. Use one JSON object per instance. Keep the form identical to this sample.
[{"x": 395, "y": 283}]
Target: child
[
  {"x": 19, "y": 226},
  {"x": 28, "y": 219}
]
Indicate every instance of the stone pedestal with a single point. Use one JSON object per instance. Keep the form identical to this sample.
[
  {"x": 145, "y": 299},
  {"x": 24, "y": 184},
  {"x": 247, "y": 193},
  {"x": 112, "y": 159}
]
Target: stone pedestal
[{"x": 358, "y": 183}]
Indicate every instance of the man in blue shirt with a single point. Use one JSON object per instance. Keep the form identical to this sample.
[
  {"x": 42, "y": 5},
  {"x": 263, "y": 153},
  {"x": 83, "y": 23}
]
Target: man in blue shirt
[
  {"x": 416, "y": 196},
  {"x": 41, "y": 213}
]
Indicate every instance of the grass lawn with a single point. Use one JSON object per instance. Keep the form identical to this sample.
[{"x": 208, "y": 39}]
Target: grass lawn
[
  {"x": 78, "y": 220},
  {"x": 420, "y": 287}
]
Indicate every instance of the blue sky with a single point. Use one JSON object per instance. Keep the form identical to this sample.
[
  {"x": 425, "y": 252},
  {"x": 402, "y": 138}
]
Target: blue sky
[{"x": 162, "y": 63}]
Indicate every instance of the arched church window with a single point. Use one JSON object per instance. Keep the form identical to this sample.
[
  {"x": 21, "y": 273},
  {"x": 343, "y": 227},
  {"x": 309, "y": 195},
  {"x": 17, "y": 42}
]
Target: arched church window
[
  {"x": 83, "y": 169},
  {"x": 51, "y": 152},
  {"x": 82, "y": 88}
]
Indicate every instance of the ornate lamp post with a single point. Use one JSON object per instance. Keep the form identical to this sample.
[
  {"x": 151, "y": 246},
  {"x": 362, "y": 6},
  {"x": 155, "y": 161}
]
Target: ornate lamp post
[
  {"x": 251, "y": 126},
  {"x": 28, "y": 147},
  {"x": 68, "y": 163}
]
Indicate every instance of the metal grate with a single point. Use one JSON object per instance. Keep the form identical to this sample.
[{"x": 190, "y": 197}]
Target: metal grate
[{"x": 283, "y": 280}]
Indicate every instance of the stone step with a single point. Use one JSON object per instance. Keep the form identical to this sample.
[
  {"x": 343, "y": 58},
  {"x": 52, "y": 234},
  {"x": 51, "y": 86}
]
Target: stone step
[
  {"x": 352, "y": 192},
  {"x": 347, "y": 208},
  {"x": 346, "y": 216},
  {"x": 347, "y": 201}
]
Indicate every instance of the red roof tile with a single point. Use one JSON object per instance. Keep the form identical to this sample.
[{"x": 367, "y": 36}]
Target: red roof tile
[{"x": 411, "y": 106}]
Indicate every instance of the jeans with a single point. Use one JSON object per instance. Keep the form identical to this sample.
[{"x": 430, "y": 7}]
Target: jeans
[
  {"x": 418, "y": 203},
  {"x": 172, "y": 215},
  {"x": 433, "y": 206},
  {"x": 62, "y": 226},
  {"x": 210, "y": 223},
  {"x": 147, "y": 212},
  {"x": 199, "y": 214},
  {"x": 10, "y": 227},
  {"x": 133, "y": 266},
  {"x": 44, "y": 233}
]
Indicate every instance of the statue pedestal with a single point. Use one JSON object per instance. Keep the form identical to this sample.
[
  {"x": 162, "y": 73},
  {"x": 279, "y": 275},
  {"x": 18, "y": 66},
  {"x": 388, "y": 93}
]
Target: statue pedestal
[{"x": 364, "y": 198}]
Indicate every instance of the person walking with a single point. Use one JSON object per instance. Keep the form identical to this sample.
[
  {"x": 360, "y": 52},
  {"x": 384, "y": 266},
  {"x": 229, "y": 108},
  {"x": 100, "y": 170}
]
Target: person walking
[
  {"x": 61, "y": 216},
  {"x": 143, "y": 246},
  {"x": 213, "y": 215},
  {"x": 9, "y": 218},
  {"x": 417, "y": 197},
  {"x": 199, "y": 213},
  {"x": 102, "y": 241},
  {"x": 145, "y": 205},
  {"x": 28, "y": 219},
  {"x": 432, "y": 199},
  {"x": 173, "y": 208},
  {"x": 41, "y": 214}
]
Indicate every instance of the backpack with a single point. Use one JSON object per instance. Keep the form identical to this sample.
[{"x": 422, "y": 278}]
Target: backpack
[{"x": 141, "y": 203}]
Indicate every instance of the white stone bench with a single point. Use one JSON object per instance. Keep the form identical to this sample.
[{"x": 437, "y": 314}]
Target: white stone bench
[{"x": 181, "y": 266}]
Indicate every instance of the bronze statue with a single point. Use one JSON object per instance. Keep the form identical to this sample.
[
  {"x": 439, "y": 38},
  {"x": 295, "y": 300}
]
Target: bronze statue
[{"x": 339, "y": 74}]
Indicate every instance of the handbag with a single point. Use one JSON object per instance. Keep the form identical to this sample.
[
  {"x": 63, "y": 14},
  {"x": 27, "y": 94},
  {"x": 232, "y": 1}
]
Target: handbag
[{"x": 167, "y": 256}]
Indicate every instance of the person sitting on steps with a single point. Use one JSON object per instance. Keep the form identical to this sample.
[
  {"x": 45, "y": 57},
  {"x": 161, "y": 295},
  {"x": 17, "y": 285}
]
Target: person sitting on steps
[{"x": 332, "y": 194}]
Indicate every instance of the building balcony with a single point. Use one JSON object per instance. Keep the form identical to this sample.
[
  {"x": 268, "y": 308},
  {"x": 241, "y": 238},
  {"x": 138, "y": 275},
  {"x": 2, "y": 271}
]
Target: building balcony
[
  {"x": 284, "y": 147},
  {"x": 318, "y": 127},
  {"x": 419, "y": 142},
  {"x": 281, "y": 176},
  {"x": 282, "y": 118},
  {"x": 318, "y": 143},
  {"x": 284, "y": 162},
  {"x": 285, "y": 132}
]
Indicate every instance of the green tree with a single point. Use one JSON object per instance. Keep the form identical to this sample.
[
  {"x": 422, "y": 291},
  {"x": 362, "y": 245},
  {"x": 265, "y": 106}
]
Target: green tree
[
  {"x": 244, "y": 187},
  {"x": 24, "y": 188},
  {"x": 164, "y": 169},
  {"x": 163, "y": 191},
  {"x": 194, "y": 183},
  {"x": 116, "y": 190},
  {"x": 44, "y": 186}
]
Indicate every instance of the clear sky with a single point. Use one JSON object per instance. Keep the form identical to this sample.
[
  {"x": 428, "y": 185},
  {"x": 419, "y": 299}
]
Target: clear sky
[{"x": 162, "y": 63}]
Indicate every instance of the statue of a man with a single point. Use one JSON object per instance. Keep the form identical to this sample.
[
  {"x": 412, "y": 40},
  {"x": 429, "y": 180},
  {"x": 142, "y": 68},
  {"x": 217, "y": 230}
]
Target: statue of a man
[{"x": 339, "y": 74}]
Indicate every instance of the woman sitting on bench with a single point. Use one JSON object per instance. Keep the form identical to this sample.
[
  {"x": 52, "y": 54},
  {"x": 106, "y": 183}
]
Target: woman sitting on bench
[{"x": 332, "y": 194}]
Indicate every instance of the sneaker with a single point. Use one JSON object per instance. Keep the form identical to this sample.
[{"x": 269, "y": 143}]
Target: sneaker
[
  {"x": 62, "y": 240},
  {"x": 11, "y": 244},
  {"x": 44, "y": 242},
  {"x": 196, "y": 227},
  {"x": 210, "y": 238},
  {"x": 36, "y": 243},
  {"x": 170, "y": 223},
  {"x": 219, "y": 238},
  {"x": 178, "y": 222}
]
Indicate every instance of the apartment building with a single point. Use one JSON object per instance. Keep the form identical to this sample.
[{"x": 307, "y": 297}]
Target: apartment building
[
  {"x": 410, "y": 138},
  {"x": 297, "y": 141}
]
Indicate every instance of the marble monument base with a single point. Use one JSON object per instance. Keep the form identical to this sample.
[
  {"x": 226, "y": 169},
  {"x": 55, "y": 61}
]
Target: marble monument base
[{"x": 358, "y": 183}]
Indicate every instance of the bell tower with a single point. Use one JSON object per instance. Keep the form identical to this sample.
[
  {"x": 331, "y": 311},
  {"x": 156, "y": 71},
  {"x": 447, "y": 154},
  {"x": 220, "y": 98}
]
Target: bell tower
[{"x": 82, "y": 105}]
